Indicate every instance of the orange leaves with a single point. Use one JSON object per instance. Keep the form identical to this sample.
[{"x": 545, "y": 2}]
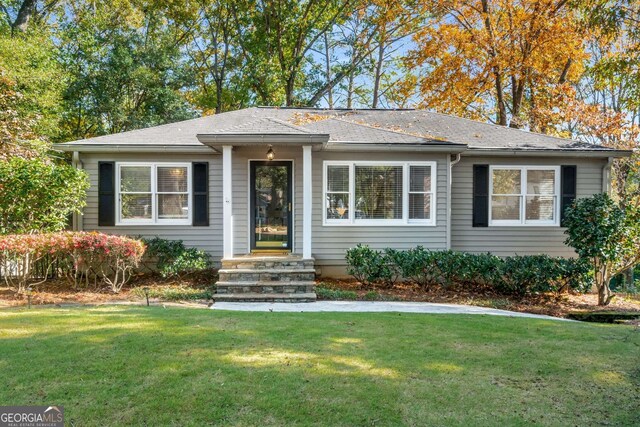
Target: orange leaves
[
  {"x": 300, "y": 119},
  {"x": 477, "y": 53}
]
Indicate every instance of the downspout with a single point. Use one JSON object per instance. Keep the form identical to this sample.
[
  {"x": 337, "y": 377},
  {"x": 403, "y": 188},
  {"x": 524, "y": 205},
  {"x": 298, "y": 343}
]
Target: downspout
[
  {"x": 606, "y": 176},
  {"x": 451, "y": 164},
  {"x": 77, "y": 221}
]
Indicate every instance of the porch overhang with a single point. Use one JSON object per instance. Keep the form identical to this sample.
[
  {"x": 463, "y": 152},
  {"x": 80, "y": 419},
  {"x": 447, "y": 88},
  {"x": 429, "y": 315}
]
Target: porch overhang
[{"x": 217, "y": 141}]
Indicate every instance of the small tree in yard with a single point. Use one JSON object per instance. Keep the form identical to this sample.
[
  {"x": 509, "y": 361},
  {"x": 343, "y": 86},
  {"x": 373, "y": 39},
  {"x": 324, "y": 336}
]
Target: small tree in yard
[
  {"x": 37, "y": 195},
  {"x": 607, "y": 235}
]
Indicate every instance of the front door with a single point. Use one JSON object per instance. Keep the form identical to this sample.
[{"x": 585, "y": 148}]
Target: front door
[{"x": 271, "y": 209}]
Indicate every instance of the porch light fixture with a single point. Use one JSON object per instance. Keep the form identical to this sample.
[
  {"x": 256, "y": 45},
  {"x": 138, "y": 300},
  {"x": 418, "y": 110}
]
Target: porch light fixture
[{"x": 271, "y": 154}]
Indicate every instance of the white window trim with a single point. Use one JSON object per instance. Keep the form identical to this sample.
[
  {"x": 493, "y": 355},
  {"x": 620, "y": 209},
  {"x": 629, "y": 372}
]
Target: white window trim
[
  {"x": 404, "y": 221},
  {"x": 154, "y": 194},
  {"x": 523, "y": 222}
]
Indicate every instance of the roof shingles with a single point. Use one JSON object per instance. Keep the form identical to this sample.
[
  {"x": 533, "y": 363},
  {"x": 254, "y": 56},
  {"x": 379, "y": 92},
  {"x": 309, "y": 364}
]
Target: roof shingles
[{"x": 370, "y": 126}]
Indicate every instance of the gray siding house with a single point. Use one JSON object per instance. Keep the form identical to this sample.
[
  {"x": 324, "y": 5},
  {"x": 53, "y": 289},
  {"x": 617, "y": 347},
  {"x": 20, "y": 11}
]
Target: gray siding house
[{"x": 277, "y": 195}]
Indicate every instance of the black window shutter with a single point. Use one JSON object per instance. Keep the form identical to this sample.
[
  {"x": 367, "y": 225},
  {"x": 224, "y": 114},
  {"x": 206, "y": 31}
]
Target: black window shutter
[
  {"x": 106, "y": 193},
  {"x": 480, "y": 195},
  {"x": 200, "y": 171},
  {"x": 567, "y": 188}
]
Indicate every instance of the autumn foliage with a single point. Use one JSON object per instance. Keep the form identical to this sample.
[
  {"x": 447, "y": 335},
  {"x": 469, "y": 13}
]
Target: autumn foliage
[
  {"x": 509, "y": 60},
  {"x": 81, "y": 257}
]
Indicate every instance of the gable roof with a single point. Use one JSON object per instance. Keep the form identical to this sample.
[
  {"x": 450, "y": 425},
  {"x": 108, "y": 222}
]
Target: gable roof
[{"x": 344, "y": 127}]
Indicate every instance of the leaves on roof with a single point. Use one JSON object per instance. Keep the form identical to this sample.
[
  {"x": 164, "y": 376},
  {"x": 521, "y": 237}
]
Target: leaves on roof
[
  {"x": 399, "y": 129},
  {"x": 300, "y": 119}
]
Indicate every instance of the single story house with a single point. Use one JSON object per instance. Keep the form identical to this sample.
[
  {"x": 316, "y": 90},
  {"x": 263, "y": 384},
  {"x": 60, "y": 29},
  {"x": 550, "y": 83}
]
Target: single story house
[{"x": 279, "y": 194}]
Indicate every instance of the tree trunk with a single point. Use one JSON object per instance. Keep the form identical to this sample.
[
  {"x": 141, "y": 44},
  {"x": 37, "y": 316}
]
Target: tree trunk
[
  {"x": 602, "y": 279},
  {"x": 327, "y": 54},
  {"x": 628, "y": 279},
  {"x": 350, "y": 90},
  {"x": 604, "y": 294},
  {"x": 516, "y": 103},
  {"x": 26, "y": 12},
  {"x": 497, "y": 74},
  {"x": 378, "y": 76},
  {"x": 219, "y": 84},
  {"x": 502, "y": 109},
  {"x": 289, "y": 88}
]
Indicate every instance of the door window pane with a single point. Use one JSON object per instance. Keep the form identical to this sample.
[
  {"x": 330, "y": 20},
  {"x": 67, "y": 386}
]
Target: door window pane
[{"x": 378, "y": 192}]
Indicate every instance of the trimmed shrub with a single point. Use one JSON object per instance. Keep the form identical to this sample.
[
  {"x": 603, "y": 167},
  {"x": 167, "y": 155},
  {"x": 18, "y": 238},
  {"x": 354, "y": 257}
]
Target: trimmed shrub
[
  {"x": 368, "y": 266},
  {"x": 418, "y": 265},
  {"x": 516, "y": 275},
  {"x": 173, "y": 259},
  {"x": 81, "y": 257}
]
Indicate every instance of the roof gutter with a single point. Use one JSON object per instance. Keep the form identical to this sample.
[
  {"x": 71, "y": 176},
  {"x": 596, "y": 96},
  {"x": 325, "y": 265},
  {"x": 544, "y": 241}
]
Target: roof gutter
[
  {"x": 568, "y": 152},
  {"x": 132, "y": 148},
  {"x": 400, "y": 147}
]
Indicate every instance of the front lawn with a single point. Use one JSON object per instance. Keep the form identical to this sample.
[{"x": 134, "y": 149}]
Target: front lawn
[{"x": 172, "y": 366}]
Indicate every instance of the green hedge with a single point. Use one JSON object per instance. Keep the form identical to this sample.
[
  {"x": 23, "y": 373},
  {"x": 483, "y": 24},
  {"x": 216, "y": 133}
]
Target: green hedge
[
  {"x": 516, "y": 275},
  {"x": 173, "y": 259}
]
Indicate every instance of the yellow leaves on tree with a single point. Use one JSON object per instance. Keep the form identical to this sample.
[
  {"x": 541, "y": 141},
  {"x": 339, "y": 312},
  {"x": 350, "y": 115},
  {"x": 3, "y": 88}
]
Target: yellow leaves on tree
[{"x": 508, "y": 61}]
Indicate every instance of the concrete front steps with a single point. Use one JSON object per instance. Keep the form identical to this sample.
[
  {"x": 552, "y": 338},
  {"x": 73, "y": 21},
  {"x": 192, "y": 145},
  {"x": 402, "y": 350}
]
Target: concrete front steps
[{"x": 266, "y": 279}]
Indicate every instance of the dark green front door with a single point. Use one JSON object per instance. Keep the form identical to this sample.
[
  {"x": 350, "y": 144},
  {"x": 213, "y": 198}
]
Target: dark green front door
[{"x": 271, "y": 205}]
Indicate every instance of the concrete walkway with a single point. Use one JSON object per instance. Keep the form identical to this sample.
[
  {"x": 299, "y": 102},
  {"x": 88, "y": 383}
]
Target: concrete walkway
[{"x": 372, "y": 307}]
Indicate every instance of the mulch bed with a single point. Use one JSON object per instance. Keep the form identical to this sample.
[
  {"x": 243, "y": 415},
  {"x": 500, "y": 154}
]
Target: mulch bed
[
  {"x": 59, "y": 292},
  {"x": 549, "y": 304}
]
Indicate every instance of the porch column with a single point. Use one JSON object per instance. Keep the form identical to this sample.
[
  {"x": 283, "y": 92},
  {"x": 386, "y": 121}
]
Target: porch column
[
  {"x": 227, "y": 201},
  {"x": 306, "y": 201}
]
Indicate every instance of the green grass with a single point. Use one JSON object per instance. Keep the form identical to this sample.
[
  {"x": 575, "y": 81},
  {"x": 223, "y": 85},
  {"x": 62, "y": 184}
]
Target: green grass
[
  {"x": 154, "y": 366},
  {"x": 335, "y": 294},
  {"x": 175, "y": 293}
]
